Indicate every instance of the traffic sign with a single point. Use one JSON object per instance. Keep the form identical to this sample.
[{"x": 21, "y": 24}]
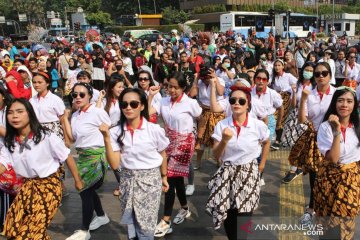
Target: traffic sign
[
  {"x": 2, "y": 19},
  {"x": 22, "y": 18}
]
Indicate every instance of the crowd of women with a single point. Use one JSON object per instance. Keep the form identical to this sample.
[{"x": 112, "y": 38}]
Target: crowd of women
[{"x": 145, "y": 112}]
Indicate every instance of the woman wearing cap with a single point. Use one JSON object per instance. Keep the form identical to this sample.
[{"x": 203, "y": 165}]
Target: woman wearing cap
[
  {"x": 138, "y": 146},
  {"x": 178, "y": 112},
  {"x": 337, "y": 186},
  {"x": 15, "y": 85},
  {"x": 35, "y": 154},
  {"x": 313, "y": 106},
  {"x": 88, "y": 141},
  {"x": 283, "y": 83},
  {"x": 234, "y": 188}
]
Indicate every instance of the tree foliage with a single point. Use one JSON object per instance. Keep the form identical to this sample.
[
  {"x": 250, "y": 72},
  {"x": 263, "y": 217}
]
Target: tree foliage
[
  {"x": 171, "y": 16},
  {"x": 101, "y": 18}
]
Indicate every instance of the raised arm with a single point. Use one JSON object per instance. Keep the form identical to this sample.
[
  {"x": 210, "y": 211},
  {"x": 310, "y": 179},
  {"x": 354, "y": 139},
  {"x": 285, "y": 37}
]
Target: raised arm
[{"x": 114, "y": 158}]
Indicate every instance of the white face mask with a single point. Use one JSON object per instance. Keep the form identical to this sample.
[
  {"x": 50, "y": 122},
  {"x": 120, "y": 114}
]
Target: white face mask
[{"x": 307, "y": 74}]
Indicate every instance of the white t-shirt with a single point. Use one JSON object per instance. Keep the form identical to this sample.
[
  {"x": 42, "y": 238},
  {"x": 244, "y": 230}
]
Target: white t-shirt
[
  {"x": 315, "y": 108},
  {"x": 48, "y": 108},
  {"x": 354, "y": 72},
  {"x": 114, "y": 111},
  {"x": 270, "y": 100},
  {"x": 85, "y": 127},
  {"x": 141, "y": 150},
  {"x": 179, "y": 116},
  {"x": 41, "y": 161},
  {"x": 349, "y": 148},
  {"x": 246, "y": 147},
  {"x": 204, "y": 92},
  {"x": 283, "y": 83}
]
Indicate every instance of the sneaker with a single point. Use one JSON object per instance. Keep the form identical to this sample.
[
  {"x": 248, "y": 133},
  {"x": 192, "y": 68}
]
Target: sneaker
[
  {"x": 307, "y": 218},
  {"x": 262, "y": 182},
  {"x": 275, "y": 146},
  {"x": 98, "y": 222},
  {"x": 190, "y": 190},
  {"x": 162, "y": 229},
  {"x": 80, "y": 235},
  {"x": 182, "y": 214},
  {"x": 290, "y": 176}
]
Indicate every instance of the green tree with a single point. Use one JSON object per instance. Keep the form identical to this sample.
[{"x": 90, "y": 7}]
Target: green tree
[
  {"x": 101, "y": 18},
  {"x": 171, "y": 16}
]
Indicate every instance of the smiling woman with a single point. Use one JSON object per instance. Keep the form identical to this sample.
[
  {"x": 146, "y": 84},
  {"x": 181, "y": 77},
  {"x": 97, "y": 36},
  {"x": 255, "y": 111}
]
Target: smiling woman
[{"x": 338, "y": 178}]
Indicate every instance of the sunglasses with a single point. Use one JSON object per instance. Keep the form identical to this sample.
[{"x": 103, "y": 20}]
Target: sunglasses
[
  {"x": 133, "y": 104},
  {"x": 259, "y": 79},
  {"x": 76, "y": 94},
  {"x": 143, "y": 79},
  {"x": 241, "y": 101},
  {"x": 322, "y": 73},
  {"x": 352, "y": 56}
]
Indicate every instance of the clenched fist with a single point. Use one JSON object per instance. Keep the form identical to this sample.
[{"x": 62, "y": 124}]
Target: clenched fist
[{"x": 227, "y": 134}]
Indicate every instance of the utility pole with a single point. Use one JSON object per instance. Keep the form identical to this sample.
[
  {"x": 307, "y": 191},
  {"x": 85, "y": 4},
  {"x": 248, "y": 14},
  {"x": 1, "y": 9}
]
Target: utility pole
[{"x": 155, "y": 6}]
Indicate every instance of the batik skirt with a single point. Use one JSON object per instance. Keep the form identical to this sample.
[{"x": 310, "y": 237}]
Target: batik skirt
[
  {"x": 179, "y": 153},
  {"x": 206, "y": 125},
  {"x": 337, "y": 196},
  {"x": 286, "y": 97},
  {"x": 33, "y": 208},
  {"x": 91, "y": 165},
  {"x": 233, "y": 187},
  {"x": 305, "y": 152},
  {"x": 140, "y": 192}
]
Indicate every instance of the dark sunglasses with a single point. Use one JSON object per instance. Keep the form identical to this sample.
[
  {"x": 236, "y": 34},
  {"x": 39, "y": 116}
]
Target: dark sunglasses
[
  {"x": 322, "y": 73},
  {"x": 352, "y": 56},
  {"x": 133, "y": 104},
  {"x": 241, "y": 101},
  {"x": 143, "y": 79},
  {"x": 76, "y": 94}
]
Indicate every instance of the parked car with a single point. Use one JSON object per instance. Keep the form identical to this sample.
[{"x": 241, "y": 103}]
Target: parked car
[
  {"x": 154, "y": 36},
  {"x": 137, "y": 33}
]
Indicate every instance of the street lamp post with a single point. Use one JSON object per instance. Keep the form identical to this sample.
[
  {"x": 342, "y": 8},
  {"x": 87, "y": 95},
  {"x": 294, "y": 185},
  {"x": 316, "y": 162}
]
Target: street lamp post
[
  {"x": 287, "y": 24},
  {"x": 155, "y": 6},
  {"x": 140, "y": 12}
]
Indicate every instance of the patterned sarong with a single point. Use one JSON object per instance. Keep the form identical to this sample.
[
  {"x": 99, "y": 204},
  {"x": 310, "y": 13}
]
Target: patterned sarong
[
  {"x": 140, "y": 193},
  {"x": 233, "y": 187},
  {"x": 286, "y": 97},
  {"x": 91, "y": 165},
  {"x": 33, "y": 208},
  {"x": 206, "y": 125},
  {"x": 305, "y": 153},
  {"x": 337, "y": 196},
  {"x": 55, "y": 127},
  {"x": 179, "y": 153}
]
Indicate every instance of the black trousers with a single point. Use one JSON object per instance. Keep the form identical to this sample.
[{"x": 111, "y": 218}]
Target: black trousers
[
  {"x": 90, "y": 202},
  {"x": 178, "y": 184},
  {"x": 331, "y": 233},
  {"x": 233, "y": 221},
  {"x": 5, "y": 202},
  {"x": 312, "y": 177}
]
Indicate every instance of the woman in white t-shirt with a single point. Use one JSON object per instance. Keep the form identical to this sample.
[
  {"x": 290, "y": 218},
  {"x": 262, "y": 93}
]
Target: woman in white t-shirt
[
  {"x": 337, "y": 185},
  {"x": 179, "y": 113},
  {"x": 238, "y": 141},
  {"x": 138, "y": 146},
  {"x": 35, "y": 154},
  {"x": 91, "y": 164}
]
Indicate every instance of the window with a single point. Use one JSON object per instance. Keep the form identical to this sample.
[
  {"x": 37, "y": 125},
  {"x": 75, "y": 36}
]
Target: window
[{"x": 347, "y": 27}]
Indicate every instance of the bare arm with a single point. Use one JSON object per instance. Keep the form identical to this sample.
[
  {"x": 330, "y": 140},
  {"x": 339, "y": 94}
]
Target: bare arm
[
  {"x": 302, "y": 111},
  {"x": 67, "y": 126},
  {"x": 214, "y": 104},
  {"x": 114, "y": 158},
  {"x": 333, "y": 154},
  {"x": 264, "y": 154},
  {"x": 70, "y": 162},
  {"x": 2, "y": 169}
]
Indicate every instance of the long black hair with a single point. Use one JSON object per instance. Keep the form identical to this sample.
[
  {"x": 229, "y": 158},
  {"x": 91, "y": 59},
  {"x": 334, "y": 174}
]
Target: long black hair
[
  {"x": 7, "y": 96},
  {"x": 144, "y": 113},
  {"x": 35, "y": 126},
  {"x": 301, "y": 77},
  {"x": 354, "y": 116},
  {"x": 109, "y": 95}
]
